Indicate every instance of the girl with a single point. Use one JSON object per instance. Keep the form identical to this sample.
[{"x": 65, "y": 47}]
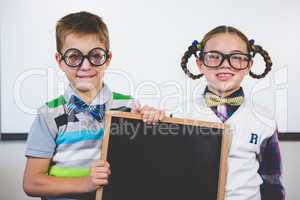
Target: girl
[{"x": 224, "y": 57}]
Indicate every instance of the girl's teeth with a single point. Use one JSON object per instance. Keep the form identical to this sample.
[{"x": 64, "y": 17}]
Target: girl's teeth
[{"x": 224, "y": 76}]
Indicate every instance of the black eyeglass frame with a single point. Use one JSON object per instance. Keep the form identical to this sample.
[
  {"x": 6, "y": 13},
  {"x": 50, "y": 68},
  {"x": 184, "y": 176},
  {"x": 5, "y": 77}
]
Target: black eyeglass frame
[
  {"x": 202, "y": 54},
  {"x": 87, "y": 56}
]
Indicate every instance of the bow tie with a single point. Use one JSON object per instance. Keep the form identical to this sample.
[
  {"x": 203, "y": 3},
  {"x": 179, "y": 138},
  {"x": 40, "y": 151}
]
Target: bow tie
[
  {"x": 214, "y": 100},
  {"x": 77, "y": 105}
]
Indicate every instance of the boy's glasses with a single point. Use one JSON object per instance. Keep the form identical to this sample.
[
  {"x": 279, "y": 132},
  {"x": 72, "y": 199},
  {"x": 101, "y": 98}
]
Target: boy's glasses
[
  {"x": 214, "y": 59},
  {"x": 74, "y": 57}
]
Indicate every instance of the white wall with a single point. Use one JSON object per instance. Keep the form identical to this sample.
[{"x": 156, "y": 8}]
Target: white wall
[
  {"x": 148, "y": 39},
  {"x": 12, "y": 165},
  {"x": 291, "y": 166}
]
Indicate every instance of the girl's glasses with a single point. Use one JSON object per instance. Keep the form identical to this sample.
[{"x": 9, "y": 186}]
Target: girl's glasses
[{"x": 214, "y": 59}]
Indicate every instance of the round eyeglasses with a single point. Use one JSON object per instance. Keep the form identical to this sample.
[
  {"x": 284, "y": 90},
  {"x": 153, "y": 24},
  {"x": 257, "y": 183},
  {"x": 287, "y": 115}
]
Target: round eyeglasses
[
  {"x": 74, "y": 57},
  {"x": 214, "y": 59}
]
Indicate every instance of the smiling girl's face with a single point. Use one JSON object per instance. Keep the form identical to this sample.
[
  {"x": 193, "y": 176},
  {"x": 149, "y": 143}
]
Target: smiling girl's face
[{"x": 224, "y": 80}]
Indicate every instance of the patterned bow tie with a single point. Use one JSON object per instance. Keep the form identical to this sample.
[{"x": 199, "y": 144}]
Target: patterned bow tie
[
  {"x": 214, "y": 100},
  {"x": 77, "y": 105}
]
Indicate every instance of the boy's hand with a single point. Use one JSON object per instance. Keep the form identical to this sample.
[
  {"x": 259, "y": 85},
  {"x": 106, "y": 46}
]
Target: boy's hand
[
  {"x": 100, "y": 171},
  {"x": 149, "y": 114}
]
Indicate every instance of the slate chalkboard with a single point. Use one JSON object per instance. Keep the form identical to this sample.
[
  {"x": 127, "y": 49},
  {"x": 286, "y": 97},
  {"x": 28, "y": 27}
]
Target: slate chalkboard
[{"x": 175, "y": 159}]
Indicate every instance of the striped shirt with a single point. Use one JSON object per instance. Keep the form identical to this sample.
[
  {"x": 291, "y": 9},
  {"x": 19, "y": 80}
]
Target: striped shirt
[{"x": 71, "y": 140}]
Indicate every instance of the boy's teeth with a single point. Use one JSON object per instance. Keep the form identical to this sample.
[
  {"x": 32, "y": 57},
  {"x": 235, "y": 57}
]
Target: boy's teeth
[{"x": 85, "y": 76}]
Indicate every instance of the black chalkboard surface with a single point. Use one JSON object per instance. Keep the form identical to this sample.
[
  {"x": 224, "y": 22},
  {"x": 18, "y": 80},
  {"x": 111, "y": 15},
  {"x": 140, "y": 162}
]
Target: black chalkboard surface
[{"x": 173, "y": 160}]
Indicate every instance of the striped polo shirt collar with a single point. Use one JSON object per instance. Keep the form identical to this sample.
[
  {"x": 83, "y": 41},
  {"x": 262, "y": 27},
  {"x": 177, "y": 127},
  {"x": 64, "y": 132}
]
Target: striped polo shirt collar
[{"x": 103, "y": 96}]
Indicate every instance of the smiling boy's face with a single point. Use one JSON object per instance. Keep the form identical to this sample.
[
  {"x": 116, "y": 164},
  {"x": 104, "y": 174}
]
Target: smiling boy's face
[
  {"x": 86, "y": 77},
  {"x": 224, "y": 80}
]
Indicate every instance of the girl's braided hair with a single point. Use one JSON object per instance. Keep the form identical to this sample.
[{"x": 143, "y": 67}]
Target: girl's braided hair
[{"x": 252, "y": 50}]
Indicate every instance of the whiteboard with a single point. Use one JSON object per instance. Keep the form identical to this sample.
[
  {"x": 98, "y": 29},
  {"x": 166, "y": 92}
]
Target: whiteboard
[{"x": 148, "y": 39}]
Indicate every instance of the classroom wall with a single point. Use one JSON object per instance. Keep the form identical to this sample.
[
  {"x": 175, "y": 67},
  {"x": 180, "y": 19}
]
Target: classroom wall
[
  {"x": 148, "y": 39},
  {"x": 12, "y": 163}
]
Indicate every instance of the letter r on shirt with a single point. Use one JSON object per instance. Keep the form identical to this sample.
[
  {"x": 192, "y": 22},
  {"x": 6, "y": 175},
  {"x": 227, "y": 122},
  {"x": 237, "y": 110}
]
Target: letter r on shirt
[{"x": 254, "y": 138}]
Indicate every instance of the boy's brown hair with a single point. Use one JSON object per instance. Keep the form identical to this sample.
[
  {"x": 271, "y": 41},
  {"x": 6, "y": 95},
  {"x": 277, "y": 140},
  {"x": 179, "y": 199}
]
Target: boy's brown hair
[{"x": 81, "y": 23}]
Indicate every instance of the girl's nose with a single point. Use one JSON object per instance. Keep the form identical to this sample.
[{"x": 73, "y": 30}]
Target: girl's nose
[{"x": 225, "y": 63}]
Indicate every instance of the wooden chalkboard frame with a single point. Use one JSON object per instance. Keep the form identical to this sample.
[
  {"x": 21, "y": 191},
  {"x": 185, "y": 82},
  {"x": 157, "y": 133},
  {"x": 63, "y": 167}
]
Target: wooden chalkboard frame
[{"x": 226, "y": 140}]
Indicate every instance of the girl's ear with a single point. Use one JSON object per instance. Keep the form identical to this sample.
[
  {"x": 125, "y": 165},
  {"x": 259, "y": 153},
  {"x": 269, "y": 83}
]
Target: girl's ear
[
  {"x": 200, "y": 65},
  {"x": 249, "y": 66}
]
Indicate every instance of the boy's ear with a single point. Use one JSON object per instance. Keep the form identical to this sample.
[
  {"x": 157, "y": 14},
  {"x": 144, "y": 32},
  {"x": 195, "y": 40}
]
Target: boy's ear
[
  {"x": 58, "y": 60},
  {"x": 109, "y": 59},
  {"x": 57, "y": 57}
]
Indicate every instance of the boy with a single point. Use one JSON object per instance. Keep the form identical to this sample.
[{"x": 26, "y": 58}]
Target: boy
[{"x": 64, "y": 142}]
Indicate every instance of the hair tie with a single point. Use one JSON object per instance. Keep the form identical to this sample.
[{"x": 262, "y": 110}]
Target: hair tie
[
  {"x": 251, "y": 42},
  {"x": 195, "y": 42}
]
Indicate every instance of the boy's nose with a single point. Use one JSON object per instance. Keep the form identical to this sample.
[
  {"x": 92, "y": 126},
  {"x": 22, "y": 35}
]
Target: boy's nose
[{"x": 86, "y": 65}]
